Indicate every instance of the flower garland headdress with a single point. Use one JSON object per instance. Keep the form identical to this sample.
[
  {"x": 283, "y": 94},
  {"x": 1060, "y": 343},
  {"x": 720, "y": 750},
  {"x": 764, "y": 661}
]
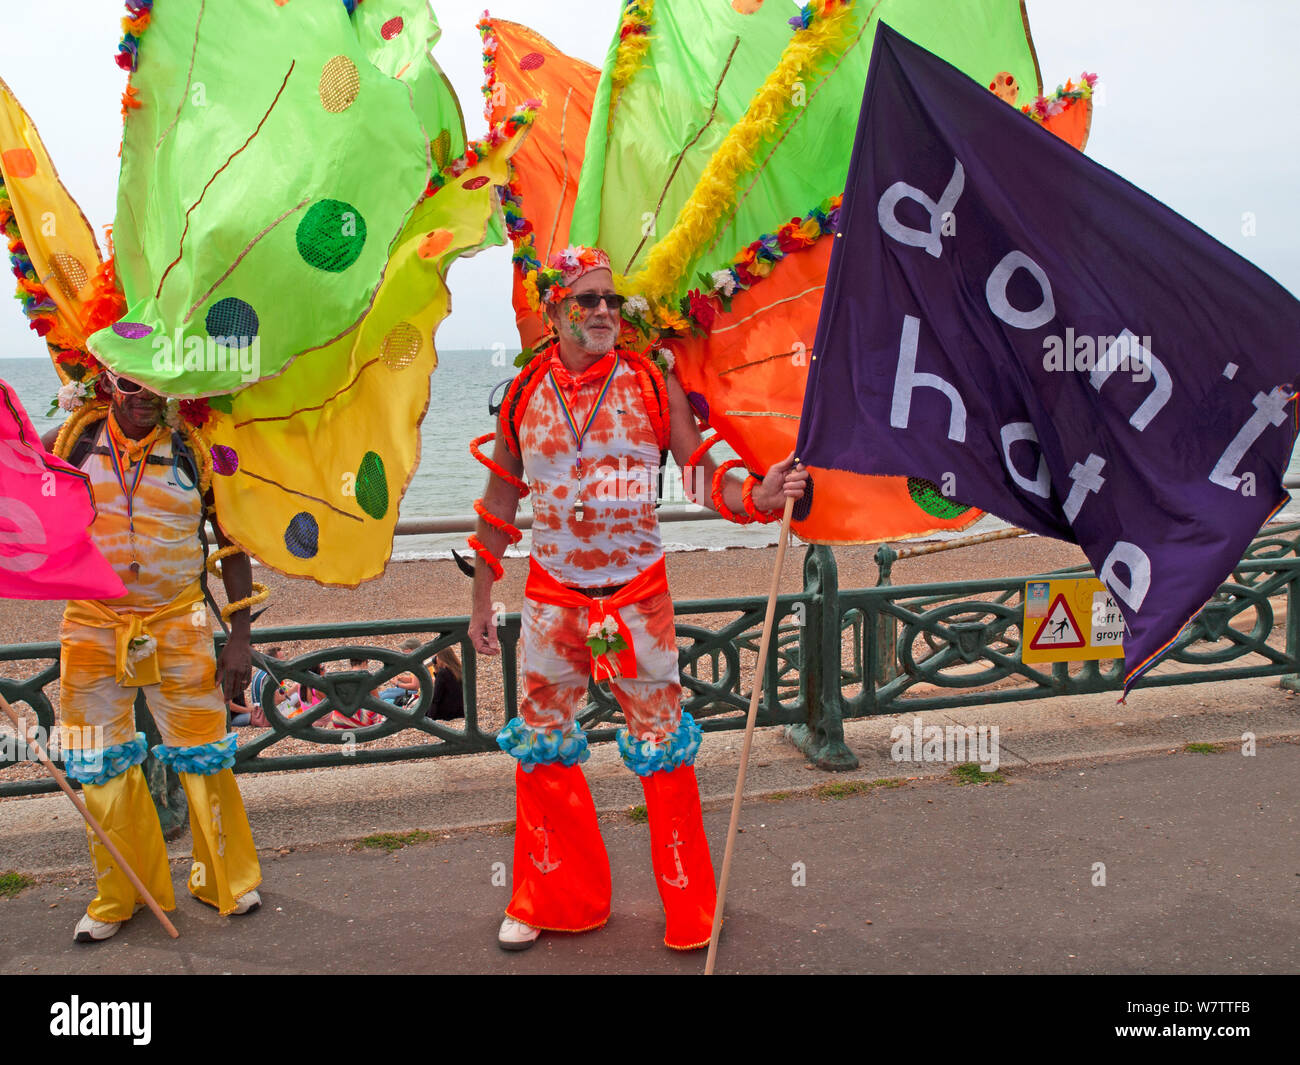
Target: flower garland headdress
[{"x": 554, "y": 282}]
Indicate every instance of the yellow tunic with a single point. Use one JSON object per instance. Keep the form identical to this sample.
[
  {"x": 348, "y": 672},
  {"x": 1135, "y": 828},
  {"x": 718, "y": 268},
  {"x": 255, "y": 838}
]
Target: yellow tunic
[{"x": 186, "y": 702}]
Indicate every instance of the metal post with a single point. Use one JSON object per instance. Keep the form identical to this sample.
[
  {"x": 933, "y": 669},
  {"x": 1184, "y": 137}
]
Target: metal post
[
  {"x": 1291, "y": 682},
  {"x": 885, "y": 666},
  {"x": 822, "y": 737}
]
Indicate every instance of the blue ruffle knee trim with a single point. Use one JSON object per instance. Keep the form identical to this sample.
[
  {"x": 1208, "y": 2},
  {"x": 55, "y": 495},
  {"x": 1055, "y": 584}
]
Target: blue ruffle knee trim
[
  {"x": 203, "y": 760},
  {"x": 542, "y": 746},
  {"x": 101, "y": 764},
  {"x": 644, "y": 757}
]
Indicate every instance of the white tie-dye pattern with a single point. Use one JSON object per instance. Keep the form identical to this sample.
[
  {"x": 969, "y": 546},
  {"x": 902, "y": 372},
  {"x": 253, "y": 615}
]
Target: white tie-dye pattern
[
  {"x": 166, "y": 528},
  {"x": 617, "y": 537}
]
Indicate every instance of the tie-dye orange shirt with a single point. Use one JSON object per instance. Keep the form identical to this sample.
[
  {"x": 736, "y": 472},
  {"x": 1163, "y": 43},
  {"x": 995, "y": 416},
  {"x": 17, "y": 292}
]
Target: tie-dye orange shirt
[
  {"x": 167, "y": 508},
  {"x": 618, "y": 535}
]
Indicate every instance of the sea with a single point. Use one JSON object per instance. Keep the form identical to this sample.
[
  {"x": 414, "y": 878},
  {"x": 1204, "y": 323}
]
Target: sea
[
  {"x": 447, "y": 488},
  {"x": 461, "y": 387}
]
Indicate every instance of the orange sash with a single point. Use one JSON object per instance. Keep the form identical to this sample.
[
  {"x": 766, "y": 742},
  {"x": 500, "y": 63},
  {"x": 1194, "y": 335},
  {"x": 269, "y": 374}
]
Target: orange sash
[{"x": 542, "y": 587}]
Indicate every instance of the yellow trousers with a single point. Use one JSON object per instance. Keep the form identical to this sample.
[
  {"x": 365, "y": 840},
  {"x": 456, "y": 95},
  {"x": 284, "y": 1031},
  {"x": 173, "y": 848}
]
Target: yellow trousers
[
  {"x": 225, "y": 864},
  {"x": 97, "y": 712}
]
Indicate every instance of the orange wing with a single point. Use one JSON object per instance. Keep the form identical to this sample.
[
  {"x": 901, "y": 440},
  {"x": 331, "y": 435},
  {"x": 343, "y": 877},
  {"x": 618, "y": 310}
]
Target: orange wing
[
  {"x": 753, "y": 366},
  {"x": 546, "y": 168}
]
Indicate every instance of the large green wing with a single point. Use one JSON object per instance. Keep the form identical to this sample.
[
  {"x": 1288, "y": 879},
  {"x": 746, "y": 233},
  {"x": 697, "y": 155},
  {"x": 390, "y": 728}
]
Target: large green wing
[{"x": 265, "y": 174}]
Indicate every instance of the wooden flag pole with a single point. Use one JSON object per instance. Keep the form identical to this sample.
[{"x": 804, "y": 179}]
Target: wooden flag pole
[
  {"x": 62, "y": 782},
  {"x": 754, "y": 697}
]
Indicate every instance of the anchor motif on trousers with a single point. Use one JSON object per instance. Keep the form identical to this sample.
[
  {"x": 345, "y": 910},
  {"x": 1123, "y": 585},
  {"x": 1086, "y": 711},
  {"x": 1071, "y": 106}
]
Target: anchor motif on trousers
[
  {"x": 545, "y": 865},
  {"x": 681, "y": 880}
]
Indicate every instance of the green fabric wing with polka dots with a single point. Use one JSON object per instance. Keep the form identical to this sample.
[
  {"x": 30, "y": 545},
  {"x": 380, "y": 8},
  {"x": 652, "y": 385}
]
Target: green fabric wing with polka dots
[{"x": 270, "y": 159}]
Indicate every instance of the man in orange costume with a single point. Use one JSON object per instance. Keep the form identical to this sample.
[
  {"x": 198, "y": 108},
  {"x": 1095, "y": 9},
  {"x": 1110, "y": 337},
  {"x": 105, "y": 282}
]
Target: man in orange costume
[{"x": 585, "y": 424}]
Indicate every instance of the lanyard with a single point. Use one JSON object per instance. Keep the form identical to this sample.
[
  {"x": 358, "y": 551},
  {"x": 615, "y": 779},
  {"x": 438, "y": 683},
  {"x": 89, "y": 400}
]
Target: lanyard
[
  {"x": 121, "y": 462},
  {"x": 580, "y": 434}
]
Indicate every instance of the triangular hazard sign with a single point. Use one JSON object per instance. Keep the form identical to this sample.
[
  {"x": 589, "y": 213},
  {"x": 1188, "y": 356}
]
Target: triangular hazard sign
[{"x": 1059, "y": 629}]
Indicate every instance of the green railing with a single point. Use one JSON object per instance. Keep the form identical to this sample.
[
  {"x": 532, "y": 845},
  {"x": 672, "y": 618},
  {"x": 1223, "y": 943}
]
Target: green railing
[{"x": 839, "y": 653}]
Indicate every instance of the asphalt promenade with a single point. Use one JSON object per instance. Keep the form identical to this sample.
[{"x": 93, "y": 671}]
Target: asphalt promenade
[{"x": 1107, "y": 846}]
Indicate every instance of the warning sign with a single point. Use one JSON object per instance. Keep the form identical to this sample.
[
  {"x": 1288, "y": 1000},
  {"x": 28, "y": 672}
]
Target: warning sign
[
  {"x": 1059, "y": 630},
  {"x": 1083, "y": 622},
  {"x": 1107, "y": 621}
]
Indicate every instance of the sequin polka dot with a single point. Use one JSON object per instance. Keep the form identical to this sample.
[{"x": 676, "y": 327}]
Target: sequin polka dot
[
  {"x": 401, "y": 346},
  {"x": 339, "y": 84},
  {"x": 225, "y": 460},
  {"x": 69, "y": 272},
  {"x": 331, "y": 235},
  {"x": 532, "y": 61},
  {"x": 232, "y": 322},
  {"x": 372, "y": 485},
  {"x": 19, "y": 162},
  {"x": 441, "y": 146},
  {"x": 803, "y": 505},
  {"x": 926, "y": 495},
  {"x": 302, "y": 536},
  {"x": 475, "y": 182},
  {"x": 392, "y": 28},
  {"x": 132, "y": 330},
  {"x": 435, "y": 243}
]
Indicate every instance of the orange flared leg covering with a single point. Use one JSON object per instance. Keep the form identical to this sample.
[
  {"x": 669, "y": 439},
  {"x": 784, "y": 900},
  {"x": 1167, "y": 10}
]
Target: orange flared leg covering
[
  {"x": 561, "y": 874},
  {"x": 680, "y": 855}
]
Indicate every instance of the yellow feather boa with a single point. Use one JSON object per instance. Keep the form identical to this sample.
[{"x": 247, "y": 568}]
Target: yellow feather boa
[
  {"x": 715, "y": 192},
  {"x": 632, "y": 51}
]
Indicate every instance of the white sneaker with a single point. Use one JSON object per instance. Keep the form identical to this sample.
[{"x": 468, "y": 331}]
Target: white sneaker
[
  {"x": 91, "y": 931},
  {"x": 515, "y": 935},
  {"x": 246, "y": 903}
]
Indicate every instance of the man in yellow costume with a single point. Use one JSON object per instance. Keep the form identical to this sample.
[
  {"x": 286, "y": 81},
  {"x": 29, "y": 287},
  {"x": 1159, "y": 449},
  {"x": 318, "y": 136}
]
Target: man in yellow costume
[{"x": 151, "y": 496}]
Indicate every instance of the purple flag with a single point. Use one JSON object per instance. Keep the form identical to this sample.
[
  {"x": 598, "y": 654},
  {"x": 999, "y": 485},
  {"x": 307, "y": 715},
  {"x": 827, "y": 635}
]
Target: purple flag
[{"x": 1041, "y": 339}]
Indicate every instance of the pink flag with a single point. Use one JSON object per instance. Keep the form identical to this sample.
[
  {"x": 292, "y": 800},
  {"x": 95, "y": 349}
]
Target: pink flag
[{"x": 46, "y": 508}]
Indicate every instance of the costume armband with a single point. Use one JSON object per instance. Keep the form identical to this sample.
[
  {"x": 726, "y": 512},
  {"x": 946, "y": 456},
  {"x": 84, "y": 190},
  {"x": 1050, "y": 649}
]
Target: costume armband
[
  {"x": 512, "y": 534},
  {"x": 719, "y": 504},
  {"x": 764, "y": 517},
  {"x": 261, "y": 593}
]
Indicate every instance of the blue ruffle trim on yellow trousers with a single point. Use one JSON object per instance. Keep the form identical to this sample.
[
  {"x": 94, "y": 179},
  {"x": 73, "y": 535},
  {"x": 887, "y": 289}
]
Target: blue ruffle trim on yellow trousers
[
  {"x": 225, "y": 863},
  {"x": 116, "y": 793}
]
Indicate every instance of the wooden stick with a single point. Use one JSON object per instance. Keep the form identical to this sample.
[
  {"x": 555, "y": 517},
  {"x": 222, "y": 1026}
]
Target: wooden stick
[
  {"x": 749, "y": 734},
  {"x": 59, "y": 779}
]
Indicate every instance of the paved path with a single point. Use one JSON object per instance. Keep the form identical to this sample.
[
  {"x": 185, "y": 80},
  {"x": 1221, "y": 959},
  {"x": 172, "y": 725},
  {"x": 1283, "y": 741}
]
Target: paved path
[{"x": 1201, "y": 856}]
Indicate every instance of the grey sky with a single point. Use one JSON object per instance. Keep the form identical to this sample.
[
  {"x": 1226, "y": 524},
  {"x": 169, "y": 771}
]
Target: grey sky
[{"x": 1196, "y": 109}]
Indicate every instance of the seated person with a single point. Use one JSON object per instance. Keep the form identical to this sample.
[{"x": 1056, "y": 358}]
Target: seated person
[
  {"x": 264, "y": 690},
  {"x": 448, "y": 702},
  {"x": 338, "y": 719},
  {"x": 448, "y": 690},
  {"x": 237, "y": 709}
]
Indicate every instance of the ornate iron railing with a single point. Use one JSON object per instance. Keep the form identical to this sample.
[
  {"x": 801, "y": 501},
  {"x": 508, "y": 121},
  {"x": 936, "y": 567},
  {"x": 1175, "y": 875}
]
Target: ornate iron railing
[{"x": 839, "y": 654}]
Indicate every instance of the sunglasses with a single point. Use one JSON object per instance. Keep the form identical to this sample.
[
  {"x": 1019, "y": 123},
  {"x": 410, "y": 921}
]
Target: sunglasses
[
  {"x": 589, "y": 301},
  {"x": 125, "y": 386}
]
